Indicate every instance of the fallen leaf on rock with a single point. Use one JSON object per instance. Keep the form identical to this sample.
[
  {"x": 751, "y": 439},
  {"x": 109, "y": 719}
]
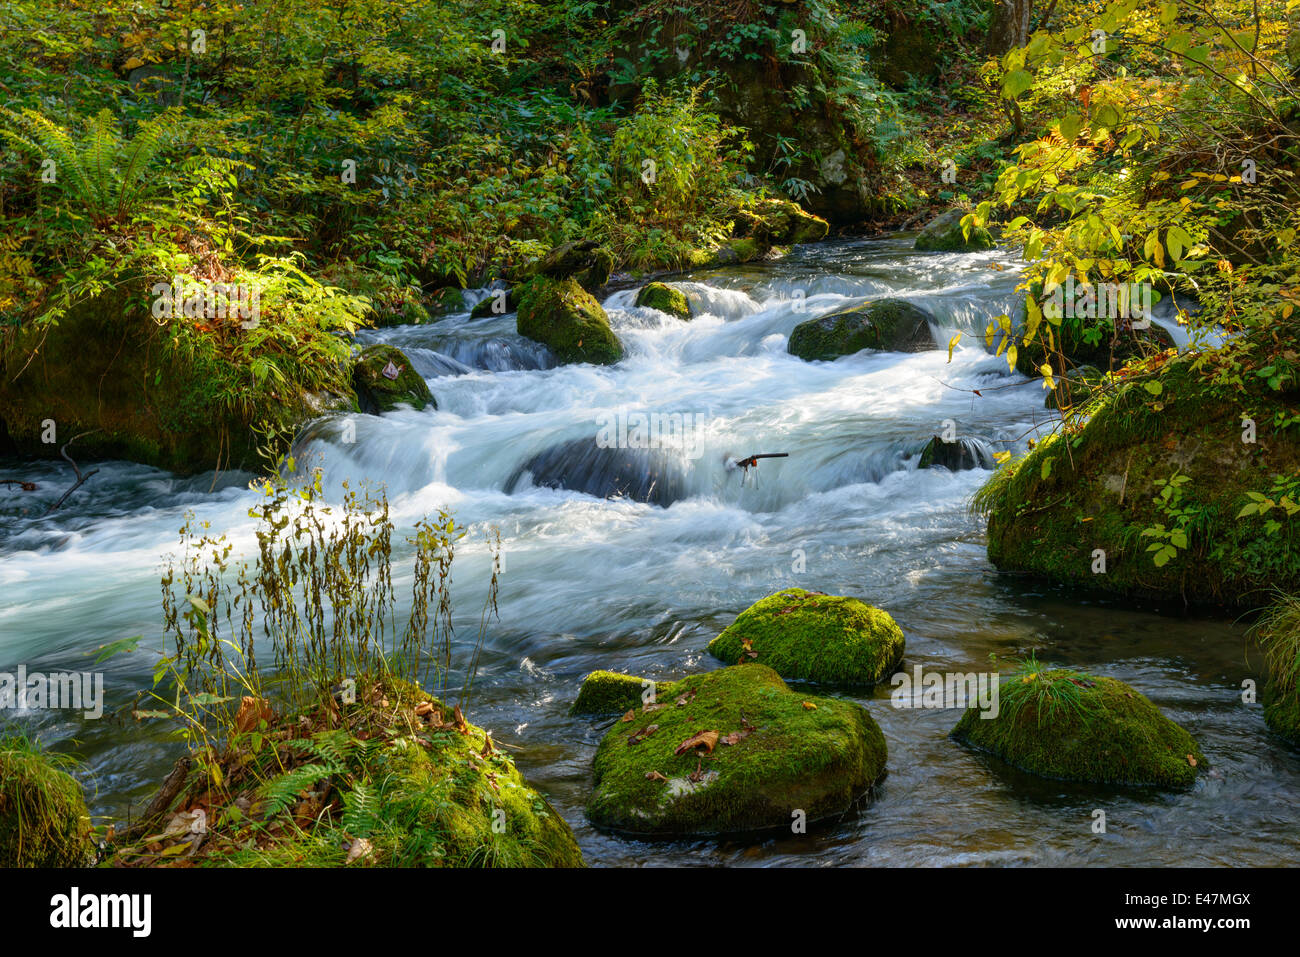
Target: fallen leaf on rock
[
  {"x": 705, "y": 739},
  {"x": 631, "y": 715},
  {"x": 461, "y": 726},
  {"x": 641, "y": 735},
  {"x": 423, "y": 708},
  {"x": 686, "y": 699},
  {"x": 1191, "y": 760},
  {"x": 647, "y": 708},
  {"x": 736, "y": 737}
]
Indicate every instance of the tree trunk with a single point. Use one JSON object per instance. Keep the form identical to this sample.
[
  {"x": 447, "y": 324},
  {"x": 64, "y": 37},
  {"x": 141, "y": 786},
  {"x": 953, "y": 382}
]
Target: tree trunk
[{"x": 1008, "y": 26}]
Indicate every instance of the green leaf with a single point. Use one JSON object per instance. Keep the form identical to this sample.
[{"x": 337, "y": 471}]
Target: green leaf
[
  {"x": 1016, "y": 83},
  {"x": 121, "y": 646}
]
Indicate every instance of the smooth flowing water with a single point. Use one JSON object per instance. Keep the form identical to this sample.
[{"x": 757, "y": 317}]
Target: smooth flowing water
[{"x": 642, "y": 585}]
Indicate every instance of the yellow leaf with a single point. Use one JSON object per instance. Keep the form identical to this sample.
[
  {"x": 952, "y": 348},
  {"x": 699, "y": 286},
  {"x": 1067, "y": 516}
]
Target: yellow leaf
[
  {"x": 132, "y": 63},
  {"x": 1001, "y": 457}
]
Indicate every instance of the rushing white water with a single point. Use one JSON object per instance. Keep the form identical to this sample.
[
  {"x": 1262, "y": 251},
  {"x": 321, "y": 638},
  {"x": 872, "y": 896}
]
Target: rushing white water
[{"x": 617, "y": 583}]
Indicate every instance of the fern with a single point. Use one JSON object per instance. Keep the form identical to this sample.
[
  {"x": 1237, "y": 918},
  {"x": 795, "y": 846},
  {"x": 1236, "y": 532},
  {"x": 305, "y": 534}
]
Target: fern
[
  {"x": 283, "y": 790},
  {"x": 361, "y": 810}
]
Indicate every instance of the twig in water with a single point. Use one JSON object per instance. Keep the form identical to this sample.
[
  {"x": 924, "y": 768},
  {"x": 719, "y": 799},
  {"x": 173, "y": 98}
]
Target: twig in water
[{"x": 80, "y": 478}]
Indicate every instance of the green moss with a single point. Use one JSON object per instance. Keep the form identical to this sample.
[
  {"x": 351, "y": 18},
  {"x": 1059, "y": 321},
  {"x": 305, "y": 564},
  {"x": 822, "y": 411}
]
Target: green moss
[
  {"x": 1108, "y": 734},
  {"x": 665, "y": 298},
  {"x": 793, "y": 754},
  {"x": 608, "y": 692},
  {"x": 945, "y": 234},
  {"x": 890, "y": 324},
  {"x": 420, "y": 791},
  {"x": 1051, "y": 511},
  {"x": 43, "y": 817},
  {"x": 1282, "y": 712},
  {"x": 562, "y": 315},
  {"x": 812, "y": 636},
  {"x": 377, "y": 392}
]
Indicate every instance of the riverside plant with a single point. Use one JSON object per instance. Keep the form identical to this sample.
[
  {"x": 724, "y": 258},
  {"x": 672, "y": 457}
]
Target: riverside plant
[{"x": 320, "y": 589}]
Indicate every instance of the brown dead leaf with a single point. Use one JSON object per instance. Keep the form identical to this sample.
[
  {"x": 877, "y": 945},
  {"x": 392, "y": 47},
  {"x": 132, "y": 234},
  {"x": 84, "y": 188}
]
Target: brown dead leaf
[
  {"x": 1191, "y": 760},
  {"x": 705, "y": 739},
  {"x": 423, "y": 708},
  {"x": 459, "y": 718},
  {"x": 631, "y": 715},
  {"x": 639, "y": 736},
  {"x": 251, "y": 712},
  {"x": 736, "y": 737},
  {"x": 686, "y": 699},
  {"x": 655, "y": 776}
]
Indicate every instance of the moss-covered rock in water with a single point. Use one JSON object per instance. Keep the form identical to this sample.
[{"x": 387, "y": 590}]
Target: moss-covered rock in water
[
  {"x": 955, "y": 456},
  {"x": 560, "y": 314},
  {"x": 892, "y": 325},
  {"x": 1075, "y": 510},
  {"x": 730, "y": 751},
  {"x": 1282, "y": 711},
  {"x": 665, "y": 298},
  {"x": 609, "y": 692},
  {"x": 384, "y": 379},
  {"x": 395, "y": 779},
  {"x": 1096, "y": 730},
  {"x": 43, "y": 817},
  {"x": 813, "y": 636},
  {"x": 109, "y": 374},
  {"x": 944, "y": 233}
]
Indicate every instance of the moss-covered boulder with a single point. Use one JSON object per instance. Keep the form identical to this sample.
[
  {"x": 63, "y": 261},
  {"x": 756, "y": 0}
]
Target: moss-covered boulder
[
  {"x": 583, "y": 260},
  {"x": 498, "y": 303},
  {"x": 1146, "y": 499},
  {"x": 661, "y": 296},
  {"x": 1099, "y": 344},
  {"x": 944, "y": 233},
  {"x": 111, "y": 375},
  {"x": 780, "y": 222},
  {"x": 733, "y": 751},
  {"x": 43, "y": 817},
  {"x": 396, "y": 778},
  {"x": 610, "y": 692},
  {"x": 384, "y": 379},
  {"x": 1071, "y": 726},
  {"x": 893, "y": 325},
  {"x": 812, "y": 636},
  {"x": 560, "y": 314}
]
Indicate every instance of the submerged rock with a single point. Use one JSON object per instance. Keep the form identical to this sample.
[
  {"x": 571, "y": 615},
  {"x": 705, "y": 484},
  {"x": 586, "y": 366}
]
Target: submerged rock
[
  {"x": 1076, "y": 727},
  {"x": 385, "y": 378},
  {"x": 809, "y": 635},
  {"x": 732, "y": 751},
  {"x": 892, "y": 325},
  {"x": 560, "y": 314},
  {"x": 43, "y": 817},
  {"x": 944, "y": 233},
  {"x": 665, "y": 298},
  {"x": 581, "y": 465},
  {"x": 955, "y": 456},
  {"x": 609, "y": 692}
]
